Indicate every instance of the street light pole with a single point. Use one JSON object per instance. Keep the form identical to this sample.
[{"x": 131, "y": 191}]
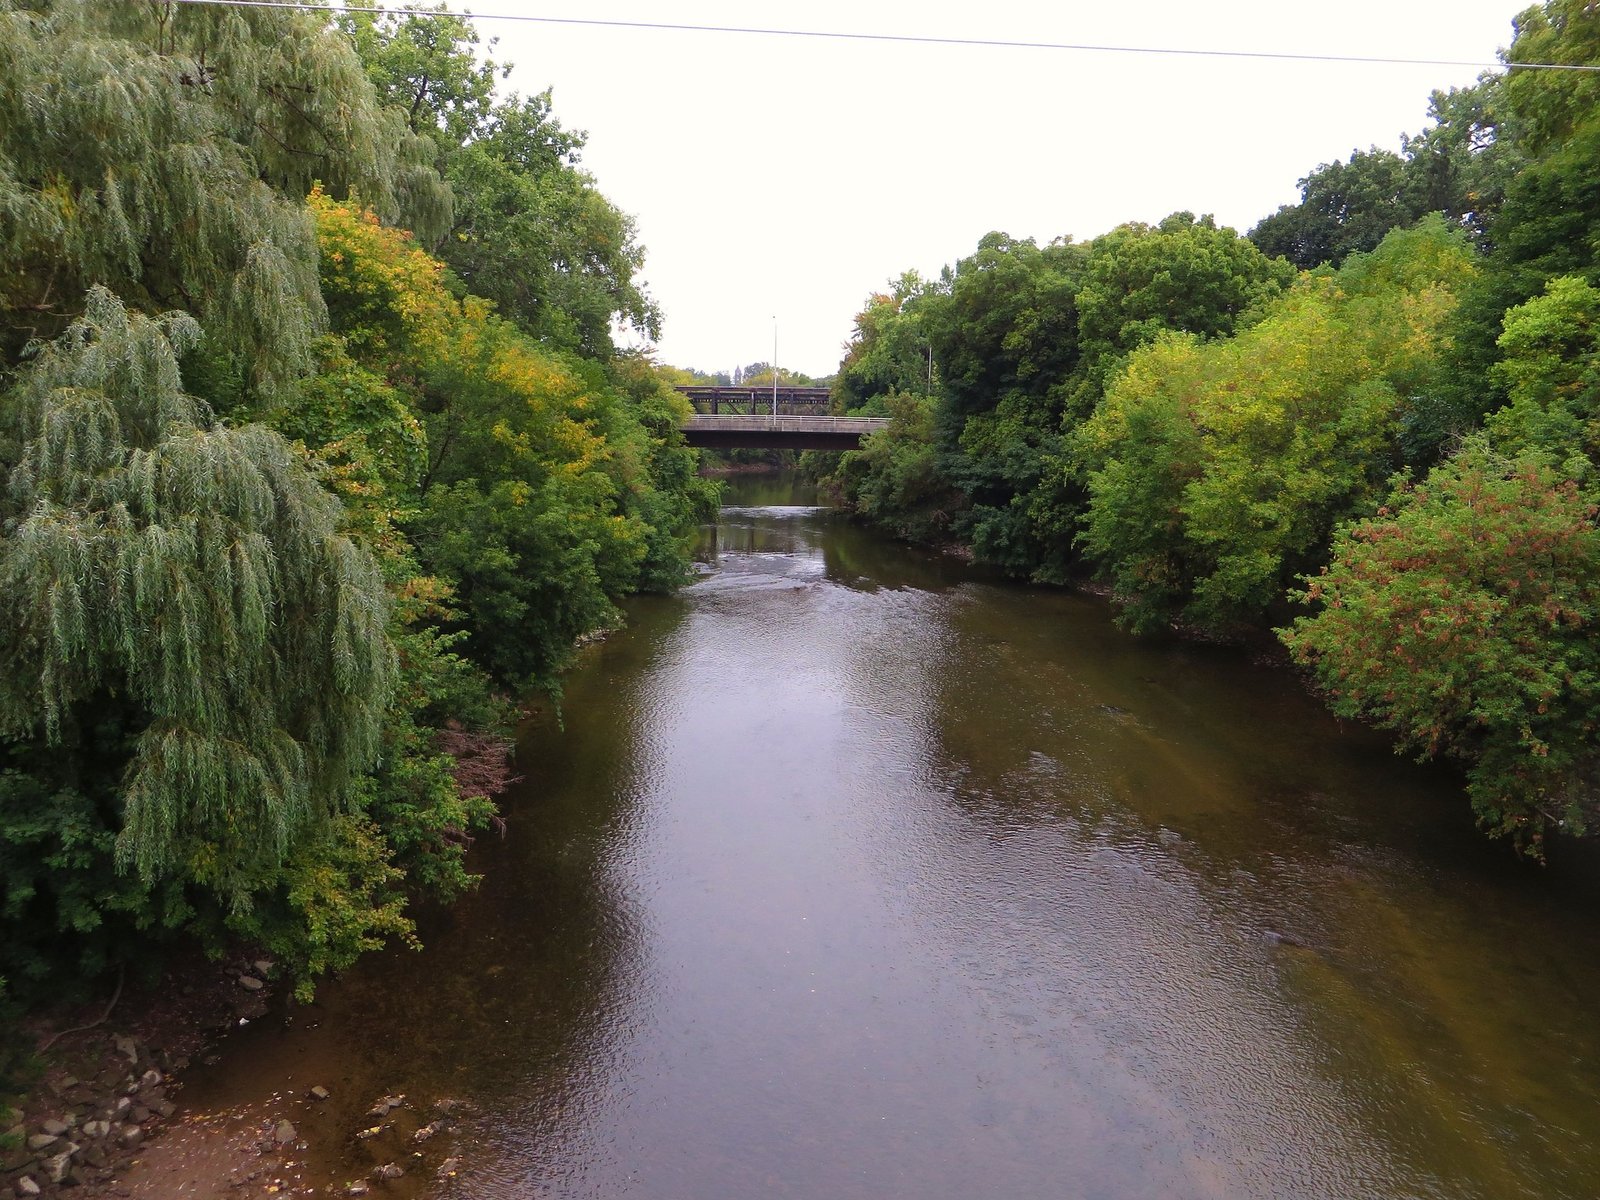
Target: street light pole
[{"x": 774, "y": 364}]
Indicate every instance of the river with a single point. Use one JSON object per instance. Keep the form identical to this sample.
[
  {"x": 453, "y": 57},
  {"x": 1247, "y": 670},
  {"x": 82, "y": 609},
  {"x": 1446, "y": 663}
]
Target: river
[{"x": 850, "y": 872}]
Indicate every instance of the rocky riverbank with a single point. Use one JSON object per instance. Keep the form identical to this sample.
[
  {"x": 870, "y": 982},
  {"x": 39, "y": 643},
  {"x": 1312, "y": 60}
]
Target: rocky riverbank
[
  {"x": 106, "y": 1116},
  {"x": 107, "y": 1088}
]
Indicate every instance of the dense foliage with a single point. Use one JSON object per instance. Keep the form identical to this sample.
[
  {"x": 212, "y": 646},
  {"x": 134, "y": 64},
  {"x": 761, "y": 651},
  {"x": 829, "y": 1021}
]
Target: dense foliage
[
  {"x": 165, "y": 154},
  {"x": 316, "y": 448},
  {"x": 1218, "y": 470},
  {"x": 530, "y": 231},
  {"x": 1463, "y": 616},
  {"x": 289, "y": 511},
  {"x": 1388, "y": 391},
  {"x": 1017, "y": 343}
]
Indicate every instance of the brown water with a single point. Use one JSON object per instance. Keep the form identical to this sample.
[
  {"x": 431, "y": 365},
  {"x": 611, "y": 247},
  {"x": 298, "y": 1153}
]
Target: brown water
[{"x": 855, "y": 875}]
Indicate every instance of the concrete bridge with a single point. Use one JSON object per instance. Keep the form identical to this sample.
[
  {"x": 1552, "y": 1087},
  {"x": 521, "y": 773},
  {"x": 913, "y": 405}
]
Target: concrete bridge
[
  {"x": 727, "y": 432},
  {"x": 796, "y": 418}
]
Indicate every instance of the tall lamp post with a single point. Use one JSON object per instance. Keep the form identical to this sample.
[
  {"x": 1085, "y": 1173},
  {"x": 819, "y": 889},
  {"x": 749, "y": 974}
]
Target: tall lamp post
[{"x": 774, "y": 364}]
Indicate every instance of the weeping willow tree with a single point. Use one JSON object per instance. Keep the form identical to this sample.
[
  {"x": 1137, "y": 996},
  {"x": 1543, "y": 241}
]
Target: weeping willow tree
[
  {"x": 189, "y": 579},
  {"x": 165, "y": 151}
]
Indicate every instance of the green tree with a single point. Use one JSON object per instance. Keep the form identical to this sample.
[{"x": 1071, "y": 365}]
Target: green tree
[
  {"x": 1217, "y": 471},
  {"x": 192, "y": 577},
  {"x": 1459, "y": 165},
  {"x": 894, "y": 479},
  {"x": 1003, "y": 328},
  {"x": 535, "y": 235},
  {"x": 1023, "y": 339},
  {"x": 1550, "y": 106},
  {"x": 1548, "y": 129},
  {"x": 531, "y": 232},
  {"x": 1143, "y": 448},
  {"x": 759, "y": 374},
  {"x": 552, "y": 485},
  {"x": 425, "y": 63},
  {"x": 164, "y": 152},
  {"x": 888, "y": 351},
  {"x": 1467, "y": 155},
  {"x": 1551, "y": 372},
  {"x": 1140, "y": 283},
  {"x": 1185, "y": 275},
  {"x": 1345, "y": 208},
  {"x": 1462, "y": 618},
  {"x": 1005, "y": 323}
]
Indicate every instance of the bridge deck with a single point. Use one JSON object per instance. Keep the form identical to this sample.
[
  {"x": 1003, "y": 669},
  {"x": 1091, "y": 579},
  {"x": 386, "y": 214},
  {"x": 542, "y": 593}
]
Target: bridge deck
[{"x": 780, "y": 432}]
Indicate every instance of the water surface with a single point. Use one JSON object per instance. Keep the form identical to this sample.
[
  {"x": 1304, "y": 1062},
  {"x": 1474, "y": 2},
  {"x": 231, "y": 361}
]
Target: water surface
[{"x": 850, "y": 873}]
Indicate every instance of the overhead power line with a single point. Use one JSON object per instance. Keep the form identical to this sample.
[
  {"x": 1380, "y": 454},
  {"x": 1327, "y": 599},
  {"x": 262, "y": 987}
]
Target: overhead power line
[{"x": 911, "y": 39}]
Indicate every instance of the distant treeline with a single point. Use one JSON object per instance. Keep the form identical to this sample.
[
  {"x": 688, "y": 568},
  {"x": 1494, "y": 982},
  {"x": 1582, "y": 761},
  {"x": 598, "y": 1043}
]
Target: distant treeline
[{"x": 1371, "y": 424}]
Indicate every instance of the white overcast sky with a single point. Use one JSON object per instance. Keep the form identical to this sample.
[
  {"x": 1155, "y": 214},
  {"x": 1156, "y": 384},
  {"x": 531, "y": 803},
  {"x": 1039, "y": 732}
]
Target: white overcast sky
[{"x": 788, "y": 178}]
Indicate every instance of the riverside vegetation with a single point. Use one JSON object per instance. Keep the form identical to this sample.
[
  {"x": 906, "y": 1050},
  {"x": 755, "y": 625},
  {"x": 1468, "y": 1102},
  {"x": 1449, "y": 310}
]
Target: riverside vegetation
[
  {"x": 1371, "y": 424},
  {"x": 316, "y": 447}
]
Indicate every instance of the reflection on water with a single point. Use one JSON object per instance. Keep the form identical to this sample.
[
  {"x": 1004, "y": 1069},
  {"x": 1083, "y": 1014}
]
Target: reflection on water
[{"x": 853, "y": 873}]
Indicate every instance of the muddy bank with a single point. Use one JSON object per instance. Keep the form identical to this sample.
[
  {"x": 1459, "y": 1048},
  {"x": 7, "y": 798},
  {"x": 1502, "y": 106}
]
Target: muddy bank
[
  {"x": 109, "y": 1074},
  {"x": 278, "y": 1145},
  {"x": 108, "y": 1115}
]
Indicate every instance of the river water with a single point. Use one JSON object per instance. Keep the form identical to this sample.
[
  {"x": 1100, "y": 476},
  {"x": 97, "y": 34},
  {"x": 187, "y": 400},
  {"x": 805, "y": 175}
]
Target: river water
[{"x": 851, "y": 873}]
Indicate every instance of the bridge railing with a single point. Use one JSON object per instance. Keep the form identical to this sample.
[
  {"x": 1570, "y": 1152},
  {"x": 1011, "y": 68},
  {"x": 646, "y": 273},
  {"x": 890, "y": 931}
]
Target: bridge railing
[{"x": 757, "y": 401}]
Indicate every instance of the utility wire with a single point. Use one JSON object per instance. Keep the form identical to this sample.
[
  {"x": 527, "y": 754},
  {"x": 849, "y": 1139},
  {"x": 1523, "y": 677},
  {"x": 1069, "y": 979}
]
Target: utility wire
[{"x": 913, "y": 39}]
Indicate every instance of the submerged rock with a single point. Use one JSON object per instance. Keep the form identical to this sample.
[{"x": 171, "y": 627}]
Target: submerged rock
[
  {"x": 385, "y": 1105},
  {"x": 1276, "y": 937}
]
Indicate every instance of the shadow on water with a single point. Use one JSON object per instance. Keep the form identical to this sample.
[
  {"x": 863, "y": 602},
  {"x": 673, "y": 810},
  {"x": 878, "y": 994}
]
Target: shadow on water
[
  {"x": 511, "y": 1008},
  {"x": 1213, "y": 842}
]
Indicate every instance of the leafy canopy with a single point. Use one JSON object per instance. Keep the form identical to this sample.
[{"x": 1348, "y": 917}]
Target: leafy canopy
[
  {"x": 192, "y": 576},
  {"x": 531, "y": 232},
  {"x": 1217, "y": 471},
  {"x": 163, "y": 151}
]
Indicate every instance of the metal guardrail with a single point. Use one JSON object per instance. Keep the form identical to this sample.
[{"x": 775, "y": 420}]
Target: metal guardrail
[{"x": 789, "y": 400}]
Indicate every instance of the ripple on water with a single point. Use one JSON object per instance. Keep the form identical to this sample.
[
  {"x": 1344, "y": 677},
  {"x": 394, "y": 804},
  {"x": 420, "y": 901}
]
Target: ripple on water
[{"x": 848, "y": 875}]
